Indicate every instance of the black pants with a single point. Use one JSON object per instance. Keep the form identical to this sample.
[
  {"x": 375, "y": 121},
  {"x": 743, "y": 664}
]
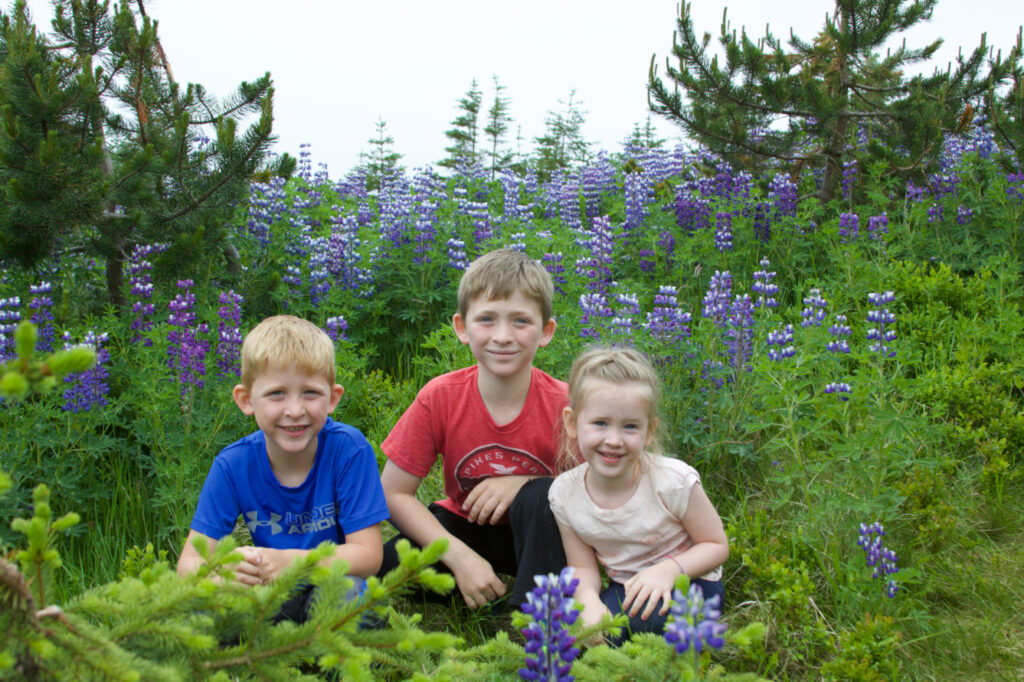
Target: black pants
[{"x": 528, "y": 545}]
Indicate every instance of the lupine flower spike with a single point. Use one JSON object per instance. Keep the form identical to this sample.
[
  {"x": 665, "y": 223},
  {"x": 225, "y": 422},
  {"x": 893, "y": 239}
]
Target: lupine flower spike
[
  {"x": 880, "y": 558},
  {"x": 550, "y": 648},
  {"x": 693, "y": 624}
]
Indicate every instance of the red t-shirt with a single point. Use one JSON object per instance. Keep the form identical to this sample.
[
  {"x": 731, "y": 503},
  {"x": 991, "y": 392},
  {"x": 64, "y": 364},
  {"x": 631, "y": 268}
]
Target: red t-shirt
[{"x": 448, "y": 417}]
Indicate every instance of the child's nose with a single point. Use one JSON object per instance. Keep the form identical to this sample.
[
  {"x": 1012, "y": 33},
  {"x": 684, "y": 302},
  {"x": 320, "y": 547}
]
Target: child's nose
[{"x": 293, "y": 407}]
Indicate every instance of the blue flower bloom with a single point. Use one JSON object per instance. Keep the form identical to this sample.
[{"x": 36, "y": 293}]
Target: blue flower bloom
[
  {"x": 550, "y": 648},
  {"x": 693, "y": 621}
]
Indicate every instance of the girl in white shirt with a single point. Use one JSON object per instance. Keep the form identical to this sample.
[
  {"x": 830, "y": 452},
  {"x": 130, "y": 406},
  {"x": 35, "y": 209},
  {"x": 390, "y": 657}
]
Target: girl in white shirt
[{"x": 641, "y": 516}]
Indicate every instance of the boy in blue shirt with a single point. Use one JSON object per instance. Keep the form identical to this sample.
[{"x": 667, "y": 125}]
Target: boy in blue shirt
[{"x": 302, "y": 478}]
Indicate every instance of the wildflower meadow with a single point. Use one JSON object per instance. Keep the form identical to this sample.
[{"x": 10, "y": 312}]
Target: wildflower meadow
[{"x": 836, "y": 313}]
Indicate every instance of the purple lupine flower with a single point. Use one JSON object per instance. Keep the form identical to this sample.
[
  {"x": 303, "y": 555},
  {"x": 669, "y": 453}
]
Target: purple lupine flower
[
  {"x": 141, "y": 288},
  {"x": 628, "y": 311},
  {"x": 693, "y": 621},
  {"x": 336, "y": 328},
  {"x": 424, "y": 232},
  {"x": 944, "y": 184},
  {"x": 878, "y": 557},
  {"x": 814, "y": 313},
  {"x": 596, "y": 267},
  {"x": 42, "y": 304},
  {"x": 739, "y": 332},
  {"x": 517, "y": 242},
  {"x": 293, "y": 278},
  {"x": 880, "y": 335},
  {"x": 783, "y": 338},
  {"x": 639, "y": 193},
  {"x": 723, "y": 231},
  {"x": 595, "y": 312},
  {"x": 763, "y": 286},
  {"x": 229, "y": 336},
  {"x": 457, "y": 258},
  {"x": 553, "y": 264},
  {"x": 716, "y": 300},
  {"x": 782, "y": 191},
  {"x": 693, "y": 212},
  {"x": 88, "y": 389},
  {"x": 667, "y": 242},
  {"x": 647, "y": 260},
  {"x": 878, "y": 225},
  {"x": 839, "y": 330},
  {"x": 935, "y": 213},
  {"x": 1015, "y": 186},
  {"x": 550, "y": 648},
  {"x": 186, "y": 349},
  {"x": 849, "y": 177},
  {"x": 963, "y": 215},
  {"x": 666, "y": 322},
  {"x": 9, "y": 318},
  {"x": 849, "y": 226},
  {"x": 762, "y": 220},
  {"x": 840, "y": 389},
  {"x": 916, "y": 194}
]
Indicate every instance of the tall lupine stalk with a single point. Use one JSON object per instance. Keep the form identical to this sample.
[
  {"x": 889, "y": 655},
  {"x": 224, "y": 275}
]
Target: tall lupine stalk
[
  {"x": 693, "y": 212},
  {"x": 783, "y": 339},
  {"x": 880, "y": 335},
  {"x": 813, "y": 313},
  {"x": 596, "y": 315},
  {"x": 42, "y": 305},
  {"x": 639, "y": 194},
  {"x": 849, "y": 179},
  {"x": 782, "y": 193},
  {"x": 320, "y": 280},
  {"x": 424, "y": 232},
  {"x": 739, "y": 334},
  {"x": 336, "y": 327},
  {"x": 878, "y": 225},
  {"x": 764, "y": 286},
  {"x": 229, "y": 335},
  {"x": 569, "y": 202},
  {"x": 265, "y": 207},
  {"x": 554, "y": 264},
  {"x": 10, "y": 316},
  {"x": 716, "y": 300},
  {"x": 140, "y": 284},
  {"x": 693, "y": 625},
  {"x": 625, "y": 316},
  {"x": 596, "y": 268},
  {"x": 457, "y": 258},
  {"x": 666, "y": 322},
  {"x": 849, "y": 227},
  {"x": 878, "y": 557},
  {"x": 550, "y": 648},
  {"x": 345, "y": 263},
  {"x": 596, "y": 178},
  {"x": 186, "y": 349},
  {"x": 839, "y": 331},
  {"x": 723, "y": 231},
  {"x": 87, "y": 389}
]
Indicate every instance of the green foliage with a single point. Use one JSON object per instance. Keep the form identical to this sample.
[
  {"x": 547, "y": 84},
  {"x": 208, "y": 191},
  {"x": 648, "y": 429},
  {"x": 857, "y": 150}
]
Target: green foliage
[
  {"x": 464, "y": 131},
  {"x": 102, "y": 150},
  {"x": 823, "y": 90},
  {"x": 562, "y": 143}
]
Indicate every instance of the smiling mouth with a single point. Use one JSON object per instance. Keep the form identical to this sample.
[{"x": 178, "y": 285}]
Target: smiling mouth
[{"x": 294, "y": 429}]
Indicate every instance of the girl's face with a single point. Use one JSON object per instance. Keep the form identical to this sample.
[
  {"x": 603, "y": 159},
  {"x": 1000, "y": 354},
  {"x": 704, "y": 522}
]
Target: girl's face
[{"x": 612, "y": 429}]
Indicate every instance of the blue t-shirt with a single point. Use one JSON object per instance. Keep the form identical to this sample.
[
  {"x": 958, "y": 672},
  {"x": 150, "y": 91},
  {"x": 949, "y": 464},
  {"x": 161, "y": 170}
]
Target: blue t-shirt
[{"x": 342, "y": 493}]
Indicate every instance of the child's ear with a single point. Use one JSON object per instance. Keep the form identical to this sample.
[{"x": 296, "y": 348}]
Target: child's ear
[
  {"x": 548, "y": 332},
  {"x": 652, "y": 429},
  {"x": 459, "y": 325},
  {"x": 242, "y": 398},
  {"x": 336, "y": 392},
  {"x": 569, "y": 422}
]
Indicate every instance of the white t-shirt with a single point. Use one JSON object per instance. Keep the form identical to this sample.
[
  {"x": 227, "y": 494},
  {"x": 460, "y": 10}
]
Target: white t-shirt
[{"x": 642, "y": 531}]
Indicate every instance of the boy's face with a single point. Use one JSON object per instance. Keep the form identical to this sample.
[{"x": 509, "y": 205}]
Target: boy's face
[
  {"x": 504, "y": 334},
  {"x": 290, "y": 409}
]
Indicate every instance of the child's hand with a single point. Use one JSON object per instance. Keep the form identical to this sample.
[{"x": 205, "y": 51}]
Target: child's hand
[
  {"x": 648, "y": 586},
  {"x": 475, "y": 578},
  {"x": 248, "y": 571},
  {"x": 491, "y": 498}
]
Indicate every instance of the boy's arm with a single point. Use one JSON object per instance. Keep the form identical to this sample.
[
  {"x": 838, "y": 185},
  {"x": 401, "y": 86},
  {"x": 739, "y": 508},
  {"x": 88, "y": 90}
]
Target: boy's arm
[
  {"x": 247, "y": 571},
  {"x": 490, "y": 499},
  {"x": 581, "y": 557},
  {"x": 474, "y": 575},
  {"x": 363, "y": 550}
]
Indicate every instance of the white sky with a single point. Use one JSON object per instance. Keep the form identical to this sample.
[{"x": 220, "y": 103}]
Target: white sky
[{"x": 340, "y": 65}]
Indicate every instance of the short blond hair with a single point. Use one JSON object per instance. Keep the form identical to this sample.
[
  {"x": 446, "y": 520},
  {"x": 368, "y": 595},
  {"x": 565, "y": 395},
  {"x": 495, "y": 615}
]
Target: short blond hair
[
  {"x": 287, "y": 341},
  {"x": 501, "y": 274},
  {"x": 615, "y": 366}
]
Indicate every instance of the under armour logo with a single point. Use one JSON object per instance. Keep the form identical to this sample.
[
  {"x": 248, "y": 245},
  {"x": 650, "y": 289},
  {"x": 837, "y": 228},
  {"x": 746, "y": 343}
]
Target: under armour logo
[{"x": 255, "y": 522}]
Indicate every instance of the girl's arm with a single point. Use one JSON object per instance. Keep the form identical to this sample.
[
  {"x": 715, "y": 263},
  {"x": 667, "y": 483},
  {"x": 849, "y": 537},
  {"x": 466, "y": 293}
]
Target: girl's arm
[
  {"x": 710, "y": 549},
  {"x": 581, "y": 557}
]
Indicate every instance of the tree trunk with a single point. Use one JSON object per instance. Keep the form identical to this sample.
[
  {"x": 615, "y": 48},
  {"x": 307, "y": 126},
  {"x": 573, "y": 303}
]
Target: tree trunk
[{"x": 115, "y": 279}]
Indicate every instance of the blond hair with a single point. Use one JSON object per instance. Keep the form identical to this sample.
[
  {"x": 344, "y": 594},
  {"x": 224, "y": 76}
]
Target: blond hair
[
  {"x": 500, "y": 274},
  {"x": 614, "y": 366},
  {"x": 287, "y": 341}
]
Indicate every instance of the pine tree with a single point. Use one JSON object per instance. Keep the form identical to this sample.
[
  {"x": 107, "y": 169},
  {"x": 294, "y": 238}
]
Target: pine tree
[
  {"x": 382, "y": 161},
  {"x": 463, "y": 132},
  {"x": 562, "y": 143},
  {"x": 498, "y": 120},
  {"x": 823, "y": 90},
  {"x": 1006, "y": 110},
  {"x": 100, "y": 148}
]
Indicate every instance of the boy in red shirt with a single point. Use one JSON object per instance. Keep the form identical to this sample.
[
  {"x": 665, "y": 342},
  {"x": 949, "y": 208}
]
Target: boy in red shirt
[{"x": 496, "y": 426}]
